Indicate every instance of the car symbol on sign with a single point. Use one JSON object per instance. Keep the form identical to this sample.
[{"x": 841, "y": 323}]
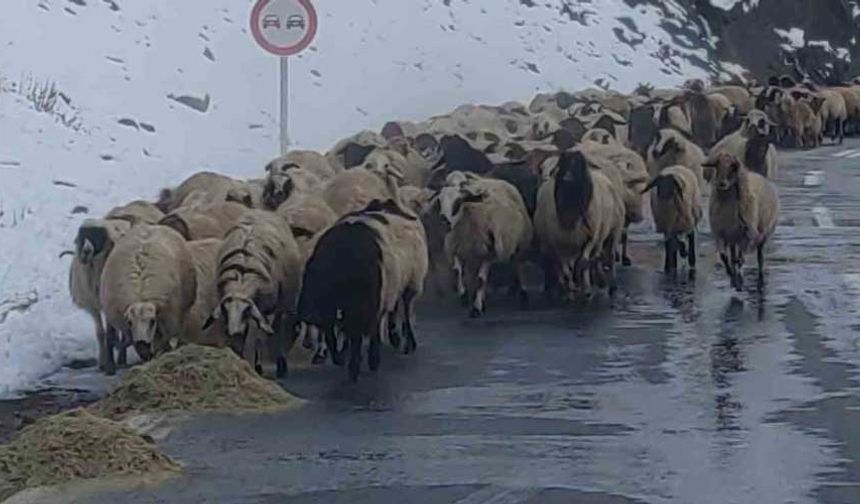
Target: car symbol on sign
[
  {"x": 271, "y": 21},
  {"x": 295, "y": 21}
]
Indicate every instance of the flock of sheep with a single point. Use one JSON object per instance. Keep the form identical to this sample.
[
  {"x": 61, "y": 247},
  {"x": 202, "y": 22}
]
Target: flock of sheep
[{"x": 332, "y": 250}]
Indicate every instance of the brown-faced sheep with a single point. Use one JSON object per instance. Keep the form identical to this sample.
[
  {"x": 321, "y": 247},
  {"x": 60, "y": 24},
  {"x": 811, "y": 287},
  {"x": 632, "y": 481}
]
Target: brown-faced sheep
[
  {"x": 744, "y": 210},
  {"x": 677, "y": 211},
  {"x": 751, "y": 145}
]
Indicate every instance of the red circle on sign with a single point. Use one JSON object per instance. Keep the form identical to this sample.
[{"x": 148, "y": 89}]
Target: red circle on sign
[{"x": 279, "y": 50}]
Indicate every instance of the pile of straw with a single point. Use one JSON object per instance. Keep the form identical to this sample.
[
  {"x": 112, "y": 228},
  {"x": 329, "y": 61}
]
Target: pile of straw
[
  {"x": 194, "y": 378},
  {"x": 75, "y": 445}
]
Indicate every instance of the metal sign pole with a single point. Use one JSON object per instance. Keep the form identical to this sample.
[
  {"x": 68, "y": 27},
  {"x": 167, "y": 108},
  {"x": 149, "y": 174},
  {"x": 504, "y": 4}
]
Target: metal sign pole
[{"x": 285, "y": 105}]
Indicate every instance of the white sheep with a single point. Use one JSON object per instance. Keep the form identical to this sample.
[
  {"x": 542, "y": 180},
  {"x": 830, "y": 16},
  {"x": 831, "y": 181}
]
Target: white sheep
[
  {"x": 579, "y": 222},
  {"x": 148, "y": 286},
  {"x": 259, "y": 275},
  {"x": 677, "y": 211},
  {"x": 213, "y": 187},
  {"x": 489, "y": 224},
  {"x": 626, "y": 168},
  {"x": 353, "y": 189},
  {"x": 671, "y": 148},
  {"x": 94, "y": 243},
  {"x": 751, "y": 145},
  {"x": 204, "y": 254},
  {"x": 208, "y": 220},
  {"x": 744, "y": 210}
]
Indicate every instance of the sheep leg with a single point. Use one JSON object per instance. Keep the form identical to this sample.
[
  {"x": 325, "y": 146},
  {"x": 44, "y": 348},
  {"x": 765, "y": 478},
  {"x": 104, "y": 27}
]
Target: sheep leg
[
  {"x": 612, "y": 272},
  {"x": 481, "y": 292},
  {"x": 337, "y": 354},
  {"x": 110, "y": 342},
  {"x": 760, "y": 257},
  {"x": 459, "y": 285},
  {"x": 551, "y": 273},
  {"x": 520, "y": 284},
  {"x": 409, "y": 323},
  {"x": 354, "y": 338},
  {"x": 691, "y": 253},
  {"x": 278, "y": 343},
  {"x": 393, "y": 330},
  {"x": 121, "y": 350},
  {"x": 681, "y": 247},
  {"x": 582, "y": 274},
  {"x": 730, "y": 269},
  {"x": 625, "y": 259},
  {"x": 374, "y": 352},
  {"x": 737, "y": 263},
  {"x": 322, "y": 348},
  {"x": 100, "y": 338},
  {"x": 840, "y": 130},
  {"x": 669, "y": 247}
]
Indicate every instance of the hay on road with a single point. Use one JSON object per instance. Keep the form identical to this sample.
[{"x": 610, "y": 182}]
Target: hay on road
[
  {"x": 75, "y": 445},
  {"x": 194, "y": 378}
]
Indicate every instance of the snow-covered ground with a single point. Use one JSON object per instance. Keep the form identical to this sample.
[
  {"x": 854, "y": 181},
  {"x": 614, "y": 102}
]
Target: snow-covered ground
[{"x": 127, "y": 71}]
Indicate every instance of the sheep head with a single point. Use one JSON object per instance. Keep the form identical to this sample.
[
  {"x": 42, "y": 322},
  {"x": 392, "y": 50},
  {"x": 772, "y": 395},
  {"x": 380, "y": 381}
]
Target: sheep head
[
  {"x": 757, "y": 123},
  {"x": 452, "y": 197},
  {"x": 725, "y": 171},
  {"x": 142, "y": 321},
  {"x": 238, "y": 313},
  {"x": 599, "y": 135}
]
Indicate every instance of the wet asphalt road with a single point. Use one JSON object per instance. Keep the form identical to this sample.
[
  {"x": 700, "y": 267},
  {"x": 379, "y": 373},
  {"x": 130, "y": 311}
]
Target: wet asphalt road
[{"x": 676, "y": 391}]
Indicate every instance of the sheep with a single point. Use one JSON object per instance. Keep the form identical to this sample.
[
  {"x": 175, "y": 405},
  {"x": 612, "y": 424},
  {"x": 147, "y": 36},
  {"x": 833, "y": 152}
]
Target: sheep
[
  {"x": 148, "y": 286},
  {"x": 351, "y": 151},
  {"x": 488, "y": 224},
  {"x": 362, "y": 267},
  {"x": 808, "y": 128},
  {"x": 354, "y": 189},
  {"x": 205, "y": 221},
  {"x": 308, "y": 216},
  {"x": 851, "y": 95},
  {"x": 834, "y": 113},
  {"x": 743, "y": 211},
  {"x": 414, "y": 165},
  {"x": 94, "y": 243},
  {"x": 398, "y": 129},
  {"x": 137, "y": 212},
  {"x": 282, "y": 183},
  {"x": 204, "y": 254},
  {"x": 579, "y": 222},
  {"x": 626, "y": 169},
  {"x": 677, "y": 212},
  {"x": 739, "y": 97},
  {"x": 214, "y": 187},
  {"x": 259, "y": 275},
  {"x": 672, "y": 148},
  {"x": 248, "y": 193},
  {"x": 751, "y": 144}
]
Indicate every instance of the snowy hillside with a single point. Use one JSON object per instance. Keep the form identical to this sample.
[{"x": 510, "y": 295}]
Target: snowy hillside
[{"x": 149, "y": 92}]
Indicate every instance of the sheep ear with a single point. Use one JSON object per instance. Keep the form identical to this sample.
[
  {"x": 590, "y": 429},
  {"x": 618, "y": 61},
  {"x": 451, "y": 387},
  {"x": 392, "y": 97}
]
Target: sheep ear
[
  {"x": 260, "y": 320},
  {"x": 213, "y": 317},
  {"x": 473, "y": 194},
  {"x": 651, "y": 185}
]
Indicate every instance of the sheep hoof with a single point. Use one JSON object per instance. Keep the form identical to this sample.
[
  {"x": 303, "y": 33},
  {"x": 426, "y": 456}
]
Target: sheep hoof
[
  {"x": 318, "y": 358},
  {"x": 307, "y": 343},
  {"x": 280, "y": 367},
  {"x": 110, "y": 370},
  {"x": 259, "y": 369},
  {"x": 464, "y": 299},
  {"x": 394, "y": 339},
  {"x": 373, "y": 358},
  {"x": 625, "y": 261},
  {"x": 475, "y": 313}
]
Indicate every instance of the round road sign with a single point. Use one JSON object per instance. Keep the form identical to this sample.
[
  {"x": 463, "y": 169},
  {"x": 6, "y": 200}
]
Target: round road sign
[{"x": 284, "y": 27}]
